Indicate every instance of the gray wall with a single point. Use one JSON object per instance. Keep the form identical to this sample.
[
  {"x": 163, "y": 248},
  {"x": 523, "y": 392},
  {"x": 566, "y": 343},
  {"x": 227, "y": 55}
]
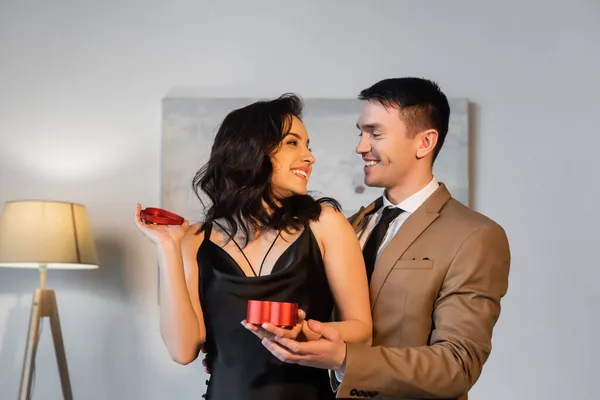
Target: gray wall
[{"x": 91, "y": 75}]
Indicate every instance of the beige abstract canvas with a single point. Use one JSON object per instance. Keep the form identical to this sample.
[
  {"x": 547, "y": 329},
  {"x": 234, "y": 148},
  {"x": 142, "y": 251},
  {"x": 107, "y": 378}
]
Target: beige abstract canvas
[{"x": 190, "y": 123}]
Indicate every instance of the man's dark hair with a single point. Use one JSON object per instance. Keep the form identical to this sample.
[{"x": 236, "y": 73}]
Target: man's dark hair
[{"x": 421, "y": 103}]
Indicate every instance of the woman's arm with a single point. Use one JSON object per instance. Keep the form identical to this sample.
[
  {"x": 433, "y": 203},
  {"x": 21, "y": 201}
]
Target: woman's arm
[
  {"x": 181, "y": 321},
  {"x": 346, "y": 273}
]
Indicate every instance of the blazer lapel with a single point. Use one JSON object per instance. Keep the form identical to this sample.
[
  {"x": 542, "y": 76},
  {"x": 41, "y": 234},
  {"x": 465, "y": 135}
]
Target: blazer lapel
[
  {"x": 412, "y": 228},
  {"x": 358, "y": 219}
]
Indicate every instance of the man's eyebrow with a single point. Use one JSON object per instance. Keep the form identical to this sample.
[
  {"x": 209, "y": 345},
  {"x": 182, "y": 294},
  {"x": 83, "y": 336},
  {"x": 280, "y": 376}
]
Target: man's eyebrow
[{"x": 368, "y": 126}]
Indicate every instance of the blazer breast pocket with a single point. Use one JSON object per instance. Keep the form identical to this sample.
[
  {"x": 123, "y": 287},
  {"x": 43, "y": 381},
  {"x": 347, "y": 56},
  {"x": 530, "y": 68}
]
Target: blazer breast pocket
[{"x": 413, "y": 264}]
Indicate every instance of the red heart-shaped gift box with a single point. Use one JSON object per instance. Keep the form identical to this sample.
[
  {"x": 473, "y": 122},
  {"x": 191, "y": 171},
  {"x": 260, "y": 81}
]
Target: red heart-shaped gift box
[
  {"x": 276, "y": 313},
  {"x": 158, "y": 216}
]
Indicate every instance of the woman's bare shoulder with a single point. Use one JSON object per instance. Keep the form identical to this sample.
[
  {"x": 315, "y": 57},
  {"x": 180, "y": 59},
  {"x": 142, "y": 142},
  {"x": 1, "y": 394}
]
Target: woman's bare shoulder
[
  {"x": 330, "y": 214},
  {"x": 193, "y": 236},
  {"x": 330, "y": 220}
]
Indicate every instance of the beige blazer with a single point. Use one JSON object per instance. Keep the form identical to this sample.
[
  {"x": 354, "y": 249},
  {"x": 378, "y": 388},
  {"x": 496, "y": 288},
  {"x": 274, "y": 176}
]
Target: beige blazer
[{"x": 435, "y": 298}]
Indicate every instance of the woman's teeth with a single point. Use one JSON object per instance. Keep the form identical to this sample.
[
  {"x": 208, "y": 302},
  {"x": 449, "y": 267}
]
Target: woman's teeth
[
  {"x": 300, "y": 172},
  {"x": 370, "y": 163}
]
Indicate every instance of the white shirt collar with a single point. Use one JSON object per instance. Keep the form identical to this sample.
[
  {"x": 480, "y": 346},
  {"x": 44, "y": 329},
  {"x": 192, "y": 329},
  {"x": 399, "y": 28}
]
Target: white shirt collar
[{"x": 415, "y": 201}]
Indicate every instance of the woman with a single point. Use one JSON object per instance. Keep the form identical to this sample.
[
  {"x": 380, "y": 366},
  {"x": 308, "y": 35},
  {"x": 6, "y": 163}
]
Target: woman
[{"x": 263, "y": 238}]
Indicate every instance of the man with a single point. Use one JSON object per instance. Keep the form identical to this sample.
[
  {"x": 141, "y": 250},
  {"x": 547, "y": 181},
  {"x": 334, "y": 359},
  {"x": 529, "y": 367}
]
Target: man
[{"x": 437, "y": 269}]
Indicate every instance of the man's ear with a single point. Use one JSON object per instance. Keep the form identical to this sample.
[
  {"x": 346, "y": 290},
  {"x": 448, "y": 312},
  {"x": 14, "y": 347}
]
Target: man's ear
[{"x": 426, "y": 141}]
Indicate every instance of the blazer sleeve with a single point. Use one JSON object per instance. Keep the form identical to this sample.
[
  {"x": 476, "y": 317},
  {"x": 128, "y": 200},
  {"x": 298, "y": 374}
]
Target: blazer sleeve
[{"x": 464, "y": 316}]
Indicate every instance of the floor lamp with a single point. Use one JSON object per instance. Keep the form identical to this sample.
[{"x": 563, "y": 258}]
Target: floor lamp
[{"x": 45, "y": 235}]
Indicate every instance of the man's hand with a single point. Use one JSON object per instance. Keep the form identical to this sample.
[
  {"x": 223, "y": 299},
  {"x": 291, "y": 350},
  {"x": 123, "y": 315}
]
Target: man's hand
[{"x": 327, "y": 352}]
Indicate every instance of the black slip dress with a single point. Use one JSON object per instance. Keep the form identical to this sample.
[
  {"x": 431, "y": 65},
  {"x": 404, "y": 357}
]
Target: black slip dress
[{"x": 241, "y": 367}]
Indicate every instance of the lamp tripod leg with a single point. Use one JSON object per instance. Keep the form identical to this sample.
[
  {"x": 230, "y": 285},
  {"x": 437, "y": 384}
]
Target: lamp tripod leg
[
  {"x": 59, "y": 347},
  {"x": 31, "y": 346},
  {"x": 44, "y": 305}
]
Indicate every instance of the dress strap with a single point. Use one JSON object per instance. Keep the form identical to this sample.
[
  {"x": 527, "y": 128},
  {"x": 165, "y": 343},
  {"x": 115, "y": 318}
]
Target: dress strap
[
  {"x": 238, "y": 246},
  {"x": 267, "y": 253},
  {"x": 244, "y": 254},
  {"x": 207, "y": 232}
]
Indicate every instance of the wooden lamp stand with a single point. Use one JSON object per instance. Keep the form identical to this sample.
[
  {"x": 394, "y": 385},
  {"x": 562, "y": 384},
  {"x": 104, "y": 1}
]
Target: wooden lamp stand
[
  {"x": 44, "y": 305},
  {"x": 45, "y": 235}
]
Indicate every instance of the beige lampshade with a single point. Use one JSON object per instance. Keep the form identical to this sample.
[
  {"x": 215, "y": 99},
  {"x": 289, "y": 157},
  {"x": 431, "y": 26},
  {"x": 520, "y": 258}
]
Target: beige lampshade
[{"x": 56, "y": 234}]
